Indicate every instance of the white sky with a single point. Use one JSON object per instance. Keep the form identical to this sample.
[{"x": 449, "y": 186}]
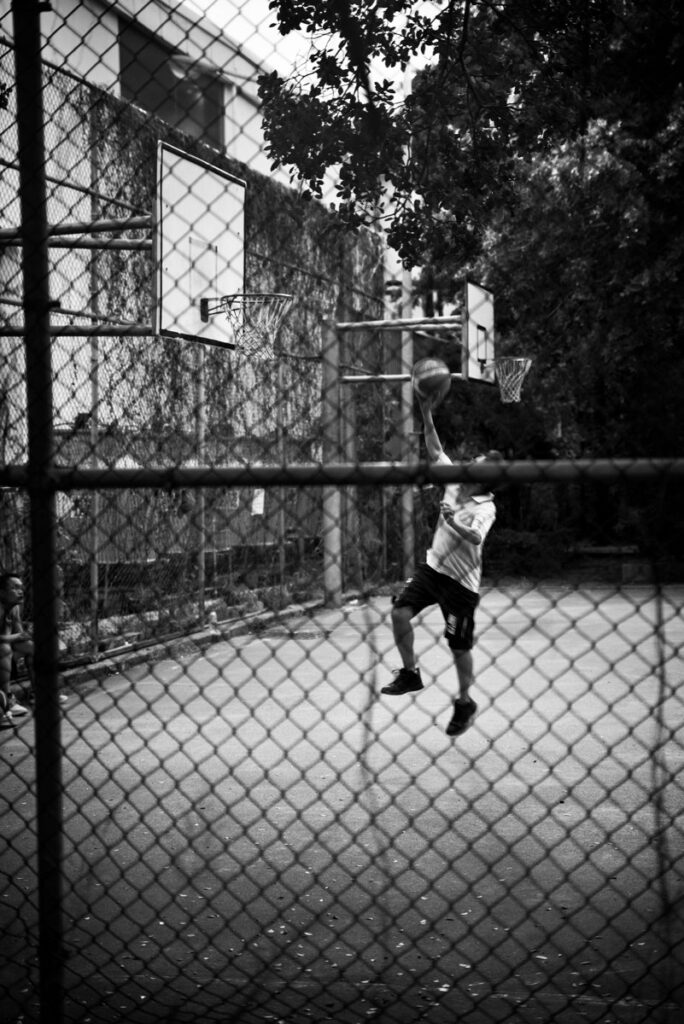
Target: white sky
[{"x": 250, "y": 23}]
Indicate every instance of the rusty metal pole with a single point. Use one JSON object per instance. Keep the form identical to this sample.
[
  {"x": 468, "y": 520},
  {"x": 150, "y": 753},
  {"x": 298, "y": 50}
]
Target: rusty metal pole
[
  {"x": 330, "y": 438},
  {"x": 407, "y": 428},
  {"x": 35, "y": 267}
]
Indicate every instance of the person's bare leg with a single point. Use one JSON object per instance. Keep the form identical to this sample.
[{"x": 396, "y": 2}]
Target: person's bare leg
[
  {"x": 464, "y": 670},
  {"x": 403, "y": 636},
  {"x": 407, "y": 679},
  {"x": 5, "y": 676},
  {"x": 25, "y": 648}
]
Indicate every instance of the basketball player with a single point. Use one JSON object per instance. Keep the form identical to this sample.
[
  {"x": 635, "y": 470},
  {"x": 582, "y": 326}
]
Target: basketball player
[{"x": 450, "y": 577}]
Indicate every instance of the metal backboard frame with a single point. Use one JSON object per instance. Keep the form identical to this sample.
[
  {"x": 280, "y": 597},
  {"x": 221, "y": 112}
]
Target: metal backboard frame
[
  {"x": 479, "y": 349},
  {"x": 199, "y": 244}
]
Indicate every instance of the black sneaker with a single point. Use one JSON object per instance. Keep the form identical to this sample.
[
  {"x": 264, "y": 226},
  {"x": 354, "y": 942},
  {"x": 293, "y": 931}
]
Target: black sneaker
[
  {"x": 406, "y": 680},
  {"x": 462, "y": 718}
]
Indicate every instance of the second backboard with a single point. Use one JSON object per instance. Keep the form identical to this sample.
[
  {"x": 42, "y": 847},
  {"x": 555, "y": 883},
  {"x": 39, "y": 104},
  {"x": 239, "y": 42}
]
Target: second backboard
[{"x": 478, "y": 334}]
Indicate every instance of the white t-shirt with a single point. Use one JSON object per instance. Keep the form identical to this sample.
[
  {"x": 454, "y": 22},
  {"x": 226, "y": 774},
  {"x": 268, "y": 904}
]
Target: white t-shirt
[{"x": 450, "y": 553}]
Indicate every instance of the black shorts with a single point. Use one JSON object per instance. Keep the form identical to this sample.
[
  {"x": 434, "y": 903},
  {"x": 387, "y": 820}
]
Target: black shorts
[{"x": 458, "y": 604}]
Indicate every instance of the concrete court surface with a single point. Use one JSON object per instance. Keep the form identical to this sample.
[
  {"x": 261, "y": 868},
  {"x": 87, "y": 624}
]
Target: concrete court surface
[{"x": 253, "y": 834}]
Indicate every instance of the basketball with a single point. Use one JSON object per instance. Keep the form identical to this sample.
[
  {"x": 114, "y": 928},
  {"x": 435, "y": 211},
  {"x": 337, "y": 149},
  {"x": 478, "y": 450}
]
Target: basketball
[{"x": 431, "y": 379}]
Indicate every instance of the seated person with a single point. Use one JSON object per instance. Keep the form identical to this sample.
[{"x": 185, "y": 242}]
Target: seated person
[{"x": 14, "y": 640}]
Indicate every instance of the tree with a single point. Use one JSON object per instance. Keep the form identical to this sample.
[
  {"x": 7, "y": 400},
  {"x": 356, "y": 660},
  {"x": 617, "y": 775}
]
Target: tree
[
  {"x": 589, "y": 274},
  {"x": 540, "y": 150},
  {"x": 503, "y": 81}
]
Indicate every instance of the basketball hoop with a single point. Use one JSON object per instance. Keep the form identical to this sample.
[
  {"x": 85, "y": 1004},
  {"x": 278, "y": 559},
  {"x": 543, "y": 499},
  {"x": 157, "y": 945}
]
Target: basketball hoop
[
  {"x": 254, "y": 317},
  {"x": 510, "y": 374}
]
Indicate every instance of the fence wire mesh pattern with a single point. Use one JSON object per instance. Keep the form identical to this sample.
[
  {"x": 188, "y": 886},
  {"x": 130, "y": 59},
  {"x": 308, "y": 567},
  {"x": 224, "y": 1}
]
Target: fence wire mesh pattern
[{"x": 212, "y": 810}]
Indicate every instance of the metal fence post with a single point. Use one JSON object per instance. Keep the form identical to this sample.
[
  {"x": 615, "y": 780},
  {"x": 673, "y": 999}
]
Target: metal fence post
[
  {"x": 332, "y": 498},
  {"x": 35, "y": 267},
  {"x": 407, "y": 435}
]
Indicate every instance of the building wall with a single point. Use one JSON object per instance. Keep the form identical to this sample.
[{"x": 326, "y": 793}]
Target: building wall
[
  {"x": 131, "y": 397},
  {"x": 81, "y": 36}
]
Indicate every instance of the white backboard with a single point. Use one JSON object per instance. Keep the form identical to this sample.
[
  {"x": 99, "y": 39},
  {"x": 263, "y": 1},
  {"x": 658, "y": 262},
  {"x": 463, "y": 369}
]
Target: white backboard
[
  {"x": 199, "y": 240},
  {"x": 478, "y": 333}
]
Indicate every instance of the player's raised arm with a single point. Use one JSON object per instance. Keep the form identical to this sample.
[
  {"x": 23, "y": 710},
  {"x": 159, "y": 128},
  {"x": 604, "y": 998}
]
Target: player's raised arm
[{"x": 433, "y": 444}]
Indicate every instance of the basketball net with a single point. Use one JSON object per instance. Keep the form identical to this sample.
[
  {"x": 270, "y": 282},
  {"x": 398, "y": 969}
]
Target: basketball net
[
  {"x": 510, "y": 374},
  {"x": 254, "y": 318}
]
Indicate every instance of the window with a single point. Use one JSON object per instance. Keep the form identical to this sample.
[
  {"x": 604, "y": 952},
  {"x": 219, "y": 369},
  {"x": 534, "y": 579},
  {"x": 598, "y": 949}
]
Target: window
[{"x": 168, "y": 85}]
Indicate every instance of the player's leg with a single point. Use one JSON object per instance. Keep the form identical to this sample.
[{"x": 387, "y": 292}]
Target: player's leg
[
  {"x": 404, "y": 637},
  {"x": 407, "y": 679},
  {"x": 464, "y": 671},
  {"x": 459, "y": 632},
  {"x": 415, "y": 596}
]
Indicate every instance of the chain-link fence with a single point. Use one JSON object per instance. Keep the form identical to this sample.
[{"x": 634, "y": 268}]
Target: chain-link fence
[{"x": 211, "y": 811}]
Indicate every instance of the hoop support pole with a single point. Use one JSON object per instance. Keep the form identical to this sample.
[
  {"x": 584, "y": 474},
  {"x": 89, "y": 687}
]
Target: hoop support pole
[
  {"x": 86, "y": 242},
  {"x": 96, "y": 330},
  {"x": 384, "y": 378},
  {"x": 13, "y": 236},
  {"x": 434, "y": 323}
]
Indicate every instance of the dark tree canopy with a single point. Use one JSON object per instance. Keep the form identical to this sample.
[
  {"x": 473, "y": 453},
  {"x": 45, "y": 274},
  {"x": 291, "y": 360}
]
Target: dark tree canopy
[{"x": 502, "y": 81}]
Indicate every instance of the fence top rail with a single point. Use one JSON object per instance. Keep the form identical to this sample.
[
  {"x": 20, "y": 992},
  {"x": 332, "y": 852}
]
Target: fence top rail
[{"x": 343, "y": 474}]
